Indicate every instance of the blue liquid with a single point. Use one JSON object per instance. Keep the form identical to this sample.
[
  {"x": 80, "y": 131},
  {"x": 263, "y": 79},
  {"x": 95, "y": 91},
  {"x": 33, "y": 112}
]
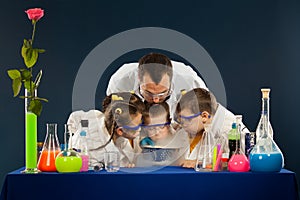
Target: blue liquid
[{"x": 264, "y": 162}]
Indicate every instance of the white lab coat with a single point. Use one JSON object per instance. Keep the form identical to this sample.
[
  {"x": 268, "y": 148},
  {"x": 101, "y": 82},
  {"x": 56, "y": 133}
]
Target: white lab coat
[
  {"x": 184, "y": 77},
  {"x": 219, "y": 128},
  {"x": 97, "y": 136}
]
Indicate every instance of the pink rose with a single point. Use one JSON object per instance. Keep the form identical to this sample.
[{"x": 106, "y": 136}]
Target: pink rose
[{"x": 35, "y": 13}]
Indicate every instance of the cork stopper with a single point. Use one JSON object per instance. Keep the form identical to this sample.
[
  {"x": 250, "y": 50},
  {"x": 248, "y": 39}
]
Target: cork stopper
[{"x": 265, "y": 92}]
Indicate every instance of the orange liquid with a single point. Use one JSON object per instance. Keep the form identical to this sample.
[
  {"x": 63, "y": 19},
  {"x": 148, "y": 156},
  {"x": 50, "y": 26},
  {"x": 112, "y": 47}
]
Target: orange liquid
[{"x": 47, "y": 161}]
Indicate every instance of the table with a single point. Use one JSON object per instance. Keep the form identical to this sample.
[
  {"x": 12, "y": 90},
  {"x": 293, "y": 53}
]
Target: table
[{"x": 150, "y": 183}]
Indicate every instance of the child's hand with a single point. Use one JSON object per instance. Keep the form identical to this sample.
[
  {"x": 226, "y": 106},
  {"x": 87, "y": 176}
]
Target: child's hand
[
  {"x": 130, "y": 165},
  {"x": 188, "y": 163}
]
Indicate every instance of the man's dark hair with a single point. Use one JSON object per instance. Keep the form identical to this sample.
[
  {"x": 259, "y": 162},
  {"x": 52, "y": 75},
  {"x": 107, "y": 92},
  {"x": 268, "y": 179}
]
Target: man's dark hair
[{"x": 156, "y": 65}]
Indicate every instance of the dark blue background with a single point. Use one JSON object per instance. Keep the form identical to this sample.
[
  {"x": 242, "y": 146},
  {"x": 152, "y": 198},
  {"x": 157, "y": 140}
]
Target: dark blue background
[{"x": 254, "y": 44}]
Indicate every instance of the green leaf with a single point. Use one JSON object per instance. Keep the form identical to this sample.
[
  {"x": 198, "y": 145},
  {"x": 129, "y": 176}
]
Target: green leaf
[
  {"x": 26, "y": 74},
  {"x": 30, "y": 58},
  {"x": 41, "y": 50},
  {"x": 27, "y": 43},
  {"x": 29, "y": 54},
  {"x": 27, "y": 84},
  {"x": 25, "y": 47},
  {"x": 16, "y": 86},
  {"x": 13, "y": 73},
  {"x": 36, "y": 107},
  {"x": 42, "y": 99}
]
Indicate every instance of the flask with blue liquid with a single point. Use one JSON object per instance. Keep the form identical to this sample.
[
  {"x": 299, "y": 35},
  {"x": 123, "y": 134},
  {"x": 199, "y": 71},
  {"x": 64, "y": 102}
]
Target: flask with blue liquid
[{"x": 266, "y": 155}]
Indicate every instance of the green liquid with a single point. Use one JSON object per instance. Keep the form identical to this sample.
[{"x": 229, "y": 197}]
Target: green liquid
[
  {"x": 68, "y": 163},
  {"x": 31, "y": 140}
]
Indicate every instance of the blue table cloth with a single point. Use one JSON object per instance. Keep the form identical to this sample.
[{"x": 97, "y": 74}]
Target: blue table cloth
[{"x": 150, "y": 183}]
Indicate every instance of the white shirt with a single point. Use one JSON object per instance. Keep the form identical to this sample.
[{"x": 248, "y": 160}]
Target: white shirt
[
  {"x": 126, "y": 79},
  {"x": 97, "y": 136}
]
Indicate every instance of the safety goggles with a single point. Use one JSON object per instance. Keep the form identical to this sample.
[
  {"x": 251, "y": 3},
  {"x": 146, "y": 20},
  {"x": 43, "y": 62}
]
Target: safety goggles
[
  {"x": 131, "y": 129},
  {"x": 187, "y": 120},
  {"x": 163, "y": 95},
  {"x": 155, "y": 127}
]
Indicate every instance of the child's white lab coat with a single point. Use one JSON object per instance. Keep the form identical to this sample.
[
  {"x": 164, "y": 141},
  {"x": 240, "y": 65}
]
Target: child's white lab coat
[{"x": 98, "y": 136}]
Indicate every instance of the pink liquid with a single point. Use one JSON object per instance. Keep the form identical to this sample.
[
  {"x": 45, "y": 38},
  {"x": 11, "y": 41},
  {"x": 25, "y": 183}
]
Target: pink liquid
[
  {"x": 238, "y": 163},
  {"x": 85, "y": 163}
]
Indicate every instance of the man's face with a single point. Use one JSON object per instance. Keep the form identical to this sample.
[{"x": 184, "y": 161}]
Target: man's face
[{"x": 152, "y": 92}]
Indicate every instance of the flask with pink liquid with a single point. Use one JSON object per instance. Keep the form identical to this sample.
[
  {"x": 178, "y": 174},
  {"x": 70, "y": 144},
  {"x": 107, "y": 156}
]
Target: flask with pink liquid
[{"x": 238, "y": 162}]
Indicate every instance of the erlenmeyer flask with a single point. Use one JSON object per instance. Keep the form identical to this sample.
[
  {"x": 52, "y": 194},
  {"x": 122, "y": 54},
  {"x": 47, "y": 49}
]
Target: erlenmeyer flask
[
  {"x": 50, "y": 150},
  {"x": 238, "y": 162},
  {"x": 266, "y": 155},
  {"x": 68, "y": 160},
  {"x": 205, "y": 153}
]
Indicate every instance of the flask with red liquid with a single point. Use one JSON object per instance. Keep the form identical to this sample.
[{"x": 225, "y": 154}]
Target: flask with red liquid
[{"x": 51, "y": 149}]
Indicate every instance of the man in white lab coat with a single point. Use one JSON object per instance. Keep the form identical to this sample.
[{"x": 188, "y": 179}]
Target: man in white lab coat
[{"x": 155, "y": 78}]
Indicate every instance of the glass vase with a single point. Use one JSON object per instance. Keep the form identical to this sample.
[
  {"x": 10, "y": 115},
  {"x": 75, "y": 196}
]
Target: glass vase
[{"x": 30, "y": 136}]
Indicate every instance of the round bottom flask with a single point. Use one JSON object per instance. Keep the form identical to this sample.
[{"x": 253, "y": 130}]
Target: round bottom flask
[
  {"x": 238, "y": 163},
  {"x": 266, "y": 156},
  {"x": 68, "y": 161}
]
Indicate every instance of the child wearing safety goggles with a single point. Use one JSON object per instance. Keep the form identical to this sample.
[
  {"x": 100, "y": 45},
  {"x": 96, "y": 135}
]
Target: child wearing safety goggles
[
  {"x": 117, "y": 128},
  {"x": 161, "y": 144},
  {"x": 198, "y": 110}
]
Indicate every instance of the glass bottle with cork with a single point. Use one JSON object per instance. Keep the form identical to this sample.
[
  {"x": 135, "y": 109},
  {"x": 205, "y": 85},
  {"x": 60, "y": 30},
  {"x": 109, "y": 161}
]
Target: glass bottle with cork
[{"x": 266, "y": 155}]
